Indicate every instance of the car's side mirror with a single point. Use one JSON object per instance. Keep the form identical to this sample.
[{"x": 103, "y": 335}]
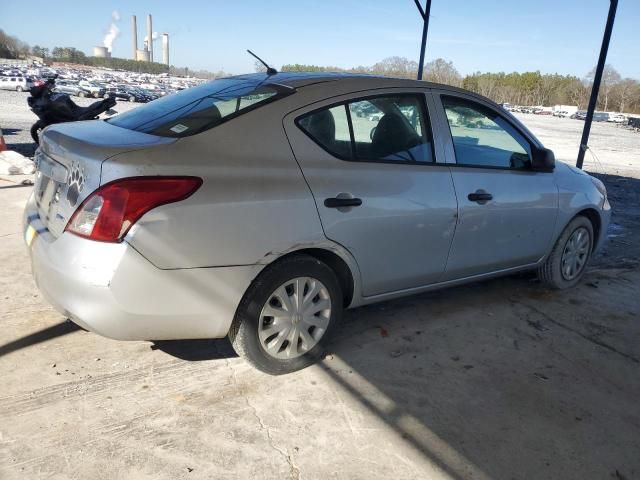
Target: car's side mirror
[{"x": 543, "y": 160}]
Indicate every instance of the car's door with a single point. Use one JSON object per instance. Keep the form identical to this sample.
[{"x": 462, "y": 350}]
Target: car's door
[
  {"x": 507, "y": 211},
  {"x": 370, "y": 162}
]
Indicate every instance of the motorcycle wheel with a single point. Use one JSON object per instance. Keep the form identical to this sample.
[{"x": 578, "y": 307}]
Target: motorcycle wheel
[{"x": 36, "y": 128}]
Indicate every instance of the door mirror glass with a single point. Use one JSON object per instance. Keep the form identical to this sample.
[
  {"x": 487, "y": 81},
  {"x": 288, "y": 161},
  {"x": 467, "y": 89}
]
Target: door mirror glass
[{"x": 543, "y": 160}]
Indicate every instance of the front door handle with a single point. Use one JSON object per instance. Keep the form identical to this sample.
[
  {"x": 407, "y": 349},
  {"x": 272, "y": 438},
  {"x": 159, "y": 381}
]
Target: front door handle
[
  {"x": 480, "y": 196},
  {"x": 337, "y": 202}
]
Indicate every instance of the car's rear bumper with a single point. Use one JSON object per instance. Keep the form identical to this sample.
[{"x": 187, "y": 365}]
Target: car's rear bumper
[{"x": 111, "y": 289}]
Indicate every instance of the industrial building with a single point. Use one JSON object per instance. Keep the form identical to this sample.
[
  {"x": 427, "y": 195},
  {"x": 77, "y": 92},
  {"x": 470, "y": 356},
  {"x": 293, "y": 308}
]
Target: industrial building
[{"x": 144, "y": 54}]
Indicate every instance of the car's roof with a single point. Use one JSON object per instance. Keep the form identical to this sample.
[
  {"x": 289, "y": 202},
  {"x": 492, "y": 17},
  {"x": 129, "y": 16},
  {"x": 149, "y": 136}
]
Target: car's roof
[{"x": 301, "y": 79}]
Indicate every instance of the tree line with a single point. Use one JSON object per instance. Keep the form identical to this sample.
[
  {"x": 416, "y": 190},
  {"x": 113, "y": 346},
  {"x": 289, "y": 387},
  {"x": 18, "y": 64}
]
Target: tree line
[{"x": 527, "y": 88}]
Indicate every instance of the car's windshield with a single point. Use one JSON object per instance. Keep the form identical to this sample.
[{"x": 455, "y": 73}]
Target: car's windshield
[{"x": 199, "y": 108}]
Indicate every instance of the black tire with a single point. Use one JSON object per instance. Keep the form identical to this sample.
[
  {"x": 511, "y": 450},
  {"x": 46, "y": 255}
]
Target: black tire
[
  {"x": 550, "y": 272},
  {"x": 36, "y": 128},
  {"x": 19, "y": 89},
  {"x": 81, "y": 94},
  {"x": 132, "y": 98},
  {"x": 244, "y": 329}
]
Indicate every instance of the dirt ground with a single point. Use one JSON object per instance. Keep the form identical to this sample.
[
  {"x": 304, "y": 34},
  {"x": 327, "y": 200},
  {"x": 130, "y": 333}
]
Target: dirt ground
[{"x": 496, "y": 380}]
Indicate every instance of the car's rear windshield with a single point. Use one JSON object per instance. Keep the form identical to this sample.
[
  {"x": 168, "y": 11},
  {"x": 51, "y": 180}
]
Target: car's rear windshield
[{"x": 200, "y": 108}]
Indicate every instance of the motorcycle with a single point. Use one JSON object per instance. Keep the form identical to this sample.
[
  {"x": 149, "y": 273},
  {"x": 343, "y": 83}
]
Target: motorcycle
[{"x": 55, "y": 107}]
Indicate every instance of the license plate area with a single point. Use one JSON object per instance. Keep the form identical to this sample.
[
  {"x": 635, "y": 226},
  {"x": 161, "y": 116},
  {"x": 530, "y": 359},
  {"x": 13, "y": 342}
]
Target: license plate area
[{"x": 51, "y": 179}]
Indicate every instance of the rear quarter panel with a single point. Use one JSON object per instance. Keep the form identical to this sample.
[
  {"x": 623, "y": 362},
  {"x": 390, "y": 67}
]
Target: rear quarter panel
[{"x": 253, "y": 205}]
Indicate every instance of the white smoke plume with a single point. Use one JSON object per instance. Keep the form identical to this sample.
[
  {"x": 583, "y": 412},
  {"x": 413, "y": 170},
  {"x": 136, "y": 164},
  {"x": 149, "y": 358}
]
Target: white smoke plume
[
  {"x": 113, "y": 31},
  {"x": 154, "y": 37}
]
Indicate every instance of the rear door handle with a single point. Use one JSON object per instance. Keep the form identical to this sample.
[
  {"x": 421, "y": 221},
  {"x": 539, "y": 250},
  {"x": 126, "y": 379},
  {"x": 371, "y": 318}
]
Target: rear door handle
[
  {"x": 337, "y": 202},
  {"x": 480, "y": 196}
]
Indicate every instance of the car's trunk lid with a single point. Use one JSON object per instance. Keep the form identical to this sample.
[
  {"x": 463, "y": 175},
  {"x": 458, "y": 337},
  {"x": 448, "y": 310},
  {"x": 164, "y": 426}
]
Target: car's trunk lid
[{"x": 69, "y": 163}]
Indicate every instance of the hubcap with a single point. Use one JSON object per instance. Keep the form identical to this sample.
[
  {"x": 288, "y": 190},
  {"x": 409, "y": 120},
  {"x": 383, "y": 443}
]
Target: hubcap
[
  {"x": 294, "y": 318},
  {"x": 576, "y": 252}
]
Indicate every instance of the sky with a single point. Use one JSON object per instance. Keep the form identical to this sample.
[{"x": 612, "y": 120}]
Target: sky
[{"x": 553, "y": 36}]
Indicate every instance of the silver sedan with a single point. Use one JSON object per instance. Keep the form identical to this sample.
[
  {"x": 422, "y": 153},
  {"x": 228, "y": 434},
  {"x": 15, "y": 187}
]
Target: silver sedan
[{"x": 260, "y": 206}]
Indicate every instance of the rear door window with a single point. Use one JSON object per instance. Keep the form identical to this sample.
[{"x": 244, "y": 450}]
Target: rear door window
[
  {"x": 386, "y": 128},
  {"x": 329, "y": 128}
]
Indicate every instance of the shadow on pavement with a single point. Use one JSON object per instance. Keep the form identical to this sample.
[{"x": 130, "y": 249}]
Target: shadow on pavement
[
  {"x": 196, "y": 350},
  {"x": 57, "y": 330}
]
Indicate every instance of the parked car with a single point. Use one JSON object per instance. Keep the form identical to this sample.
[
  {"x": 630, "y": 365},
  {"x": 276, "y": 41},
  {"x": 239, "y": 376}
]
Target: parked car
[
  {"x": 94, "y": 89},
  {"x": 600, "y": 117},
  {"x": 579, "y": 115},
  {"x": 19, "y": 84},
  {"x": 258, "y": 207},
  {"x": 127, "y": 93},
  {"x": 71, "y": 88},
  {"x": 617, "y": 118}
]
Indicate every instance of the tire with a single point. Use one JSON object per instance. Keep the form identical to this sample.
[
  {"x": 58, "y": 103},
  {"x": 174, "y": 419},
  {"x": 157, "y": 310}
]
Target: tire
[
  {"x": 36, "y": 128},
  {"x": 19, "y": 89},
  {"x": 554, "y": 272},
  {"x": 81, "y": 94},
  {"x": 249, "y": 332},
  {"x": 132, "y": 98}
]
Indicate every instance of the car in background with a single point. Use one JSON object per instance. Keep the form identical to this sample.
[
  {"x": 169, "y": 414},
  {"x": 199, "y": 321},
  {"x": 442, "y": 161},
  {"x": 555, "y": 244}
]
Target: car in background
[
  {"x": 71, "y": 88},
  {"x": 617, "y": 118},
  {"x": 579, "y": 115},
  {"x": 128, "y": 93},
  {"x": 258, "y": 207},
  {"x": 600, "y": 117},
  {"x": 17, "y": 83},
  {"x": 94, "y": 89}
]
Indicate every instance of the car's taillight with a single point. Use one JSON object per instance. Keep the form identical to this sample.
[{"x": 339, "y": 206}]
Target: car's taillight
[{"x": 108, "y": 213}]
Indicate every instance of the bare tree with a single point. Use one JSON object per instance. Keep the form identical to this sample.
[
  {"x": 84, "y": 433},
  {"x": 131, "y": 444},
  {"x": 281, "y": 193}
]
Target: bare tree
[
  {"x": 610, "y": 77},
  {"x": 396, "y": 67},
  {"x": 259, "y": 67},
  {"x": 441, "y": 71},
  {"x": 623, "y": 91}
]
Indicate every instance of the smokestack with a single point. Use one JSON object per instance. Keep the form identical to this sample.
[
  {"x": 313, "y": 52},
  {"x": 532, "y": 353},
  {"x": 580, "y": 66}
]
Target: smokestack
[
  {"x": 134, "y": 35},
  {"x": 165, "y": 48},
  {"x": 150, "y": 38}
]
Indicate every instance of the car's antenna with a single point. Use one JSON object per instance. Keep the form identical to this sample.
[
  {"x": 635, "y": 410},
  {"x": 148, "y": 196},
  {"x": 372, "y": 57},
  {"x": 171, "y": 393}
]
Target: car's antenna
[{"x": 270, "y": 70}]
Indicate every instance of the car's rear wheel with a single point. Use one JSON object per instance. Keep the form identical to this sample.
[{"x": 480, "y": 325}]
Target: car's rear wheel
[
  {"x": 568, "y": 260},
  {"x": 132, "y": 98},
  {"x": 287, "y": 315},
  {"x": 19, "y": 89}
]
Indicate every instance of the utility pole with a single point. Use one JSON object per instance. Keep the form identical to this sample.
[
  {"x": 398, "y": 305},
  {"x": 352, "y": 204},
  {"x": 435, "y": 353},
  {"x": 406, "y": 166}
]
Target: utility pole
[
  {"x": 425, "y": 28},
  {"x": 596, "y": 82}
]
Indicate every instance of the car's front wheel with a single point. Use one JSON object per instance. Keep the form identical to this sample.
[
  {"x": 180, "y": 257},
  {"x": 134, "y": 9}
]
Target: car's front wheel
[
  {"x": 566, "y": 264},
  {"x": 287, "y": 315}
]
